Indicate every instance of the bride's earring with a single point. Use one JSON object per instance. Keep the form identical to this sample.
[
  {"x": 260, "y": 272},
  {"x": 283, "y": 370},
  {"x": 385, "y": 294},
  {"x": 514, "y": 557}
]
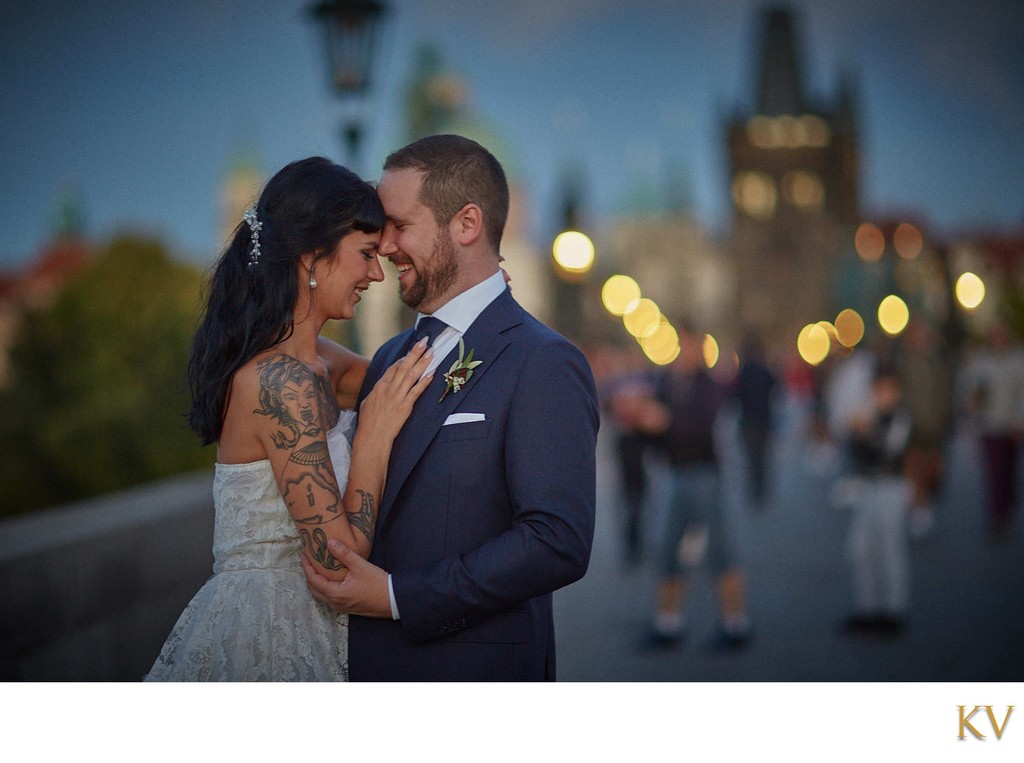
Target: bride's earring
[{"x": 312, "y": 280}]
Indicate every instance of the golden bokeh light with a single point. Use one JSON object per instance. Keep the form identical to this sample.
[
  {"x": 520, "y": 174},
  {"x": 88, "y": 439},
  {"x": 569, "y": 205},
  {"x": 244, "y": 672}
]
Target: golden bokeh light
[
  {"x": 662, "y": 356},
  {"x": 813, "y": 344},
  {"x": 663, "y": 337},
  {"x": 869, "y": 242},
  {"x": 619, "y": 294},
  {"x": 907, "y": 241},
  {"x": 817, "y": 129},
  {"x": 970, "y": 290},
  {"x": 710, "y": 350},
  {"x": 788, "y": 131},
  {"x": 754, "y": 193},
  {"x": 803, "y": 189},
  {"x": 849, "y": 328},
  {"x": 833, "y": 335},
  {"x": 760, "y": 133},
  {"x": 794, "y": 131},
  {"x": 893, "y": 315},
  {"x": 662, "y": 345},
  {"x": 644, "y": 319},
  {"x": 573, "y": 251}
]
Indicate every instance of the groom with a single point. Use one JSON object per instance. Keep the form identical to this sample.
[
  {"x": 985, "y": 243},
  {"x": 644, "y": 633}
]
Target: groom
[{"x": 489, "y": 502}]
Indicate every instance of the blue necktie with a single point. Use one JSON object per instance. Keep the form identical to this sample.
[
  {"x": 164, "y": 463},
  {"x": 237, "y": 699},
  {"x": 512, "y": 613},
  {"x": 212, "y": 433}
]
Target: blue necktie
[{"x": 430, "y": 327}]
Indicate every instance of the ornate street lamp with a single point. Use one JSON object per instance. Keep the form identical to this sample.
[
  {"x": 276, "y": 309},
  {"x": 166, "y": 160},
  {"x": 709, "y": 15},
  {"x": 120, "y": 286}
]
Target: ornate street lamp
[
  {"x": 350, "y": 33},
  {"x": 350, "y": 30}
]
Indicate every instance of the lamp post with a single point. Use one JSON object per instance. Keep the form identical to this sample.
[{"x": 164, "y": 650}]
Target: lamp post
[
  {"x": 350, "y": 29},
  {"x": 350, "y": 34},
  {"x": 572, "y": 259}
]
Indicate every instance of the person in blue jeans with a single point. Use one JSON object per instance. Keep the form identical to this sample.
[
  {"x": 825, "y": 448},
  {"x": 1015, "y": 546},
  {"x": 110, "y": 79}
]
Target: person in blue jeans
[{"x": 681, "y": 421}]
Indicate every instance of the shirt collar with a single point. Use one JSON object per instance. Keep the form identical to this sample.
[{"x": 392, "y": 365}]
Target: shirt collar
[{"x": 460, "y": 311}]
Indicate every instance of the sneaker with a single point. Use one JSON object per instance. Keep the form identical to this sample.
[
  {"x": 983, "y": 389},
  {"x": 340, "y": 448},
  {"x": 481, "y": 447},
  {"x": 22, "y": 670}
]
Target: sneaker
[
  {"x": 885, "y": 626},
  {"x": 859, "y": 625},
  {"x": 889, "y": 626},
  {"x": 659, "y": 641},
  {"x": 730, "y": 641}
]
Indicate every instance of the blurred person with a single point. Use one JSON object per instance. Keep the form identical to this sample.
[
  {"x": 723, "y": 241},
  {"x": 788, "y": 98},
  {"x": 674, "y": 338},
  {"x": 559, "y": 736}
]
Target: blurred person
[
  {"x": 681, "y": 418},
  {"x": 846, "y": 388},
  {"x": 877, "y": 539},
  {"x": 490, "y": 500},
  {"x": 995, "y": 389},
  {"x": 926, "y": 374},
  {"x": 271, "y": 393},
  {"x": 804, "y": 410},
  {"x": 754, "y": 389},
  {"x": 846, "y": 394},
  {"x": 625, "y": 395}
]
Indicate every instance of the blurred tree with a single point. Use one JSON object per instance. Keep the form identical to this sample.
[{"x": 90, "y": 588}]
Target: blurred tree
[{"x": 98, "y": 392}]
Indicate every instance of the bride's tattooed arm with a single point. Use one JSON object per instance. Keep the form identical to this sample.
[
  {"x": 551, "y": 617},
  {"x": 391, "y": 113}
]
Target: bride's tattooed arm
[
  {"x": 297, "y": 407},
  {"x": 365, "y": 517},
  {"x": 302, "y": 407}
]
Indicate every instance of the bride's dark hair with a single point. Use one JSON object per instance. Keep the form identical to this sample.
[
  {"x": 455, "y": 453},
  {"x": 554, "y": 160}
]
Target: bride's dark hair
[{"x": 306, "y": 207}]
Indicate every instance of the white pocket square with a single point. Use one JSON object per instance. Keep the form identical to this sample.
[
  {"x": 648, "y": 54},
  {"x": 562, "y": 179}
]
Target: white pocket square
[{"x": 463, "y": 418}]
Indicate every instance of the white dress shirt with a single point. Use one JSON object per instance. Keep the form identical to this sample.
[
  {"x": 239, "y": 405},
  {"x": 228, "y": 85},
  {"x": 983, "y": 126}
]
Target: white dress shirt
[{"x": 458, "y": 313}]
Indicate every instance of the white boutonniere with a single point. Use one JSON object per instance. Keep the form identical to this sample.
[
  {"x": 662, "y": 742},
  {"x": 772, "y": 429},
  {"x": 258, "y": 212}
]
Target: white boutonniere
[{"x": 460, "y": 372}]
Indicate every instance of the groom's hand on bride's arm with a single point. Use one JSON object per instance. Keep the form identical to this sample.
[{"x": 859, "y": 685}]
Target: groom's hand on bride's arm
[{"x": 364, "y": 591}]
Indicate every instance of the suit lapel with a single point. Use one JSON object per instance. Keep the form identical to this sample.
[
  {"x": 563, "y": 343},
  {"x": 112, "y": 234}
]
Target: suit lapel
[
  {"x": 486, "y": 338},
  {"x": 382, "y": 362}
]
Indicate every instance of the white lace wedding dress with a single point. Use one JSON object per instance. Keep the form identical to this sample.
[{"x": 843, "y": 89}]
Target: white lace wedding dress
[{"x": 254, "y": 619}]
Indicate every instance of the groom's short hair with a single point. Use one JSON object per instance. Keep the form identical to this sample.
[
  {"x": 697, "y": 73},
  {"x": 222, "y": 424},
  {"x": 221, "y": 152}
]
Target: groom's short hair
[{"x": 457, "y": 171}]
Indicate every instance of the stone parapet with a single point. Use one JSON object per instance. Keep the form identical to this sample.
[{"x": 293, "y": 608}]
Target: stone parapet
[{"x": 90, "y": 590}]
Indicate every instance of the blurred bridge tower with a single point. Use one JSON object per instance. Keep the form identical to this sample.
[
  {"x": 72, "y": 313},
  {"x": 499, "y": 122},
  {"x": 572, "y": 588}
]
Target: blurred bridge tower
[{"x": 794, "y": 181}]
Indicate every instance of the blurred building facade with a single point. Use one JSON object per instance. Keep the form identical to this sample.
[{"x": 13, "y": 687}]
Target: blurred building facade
[
  {"x": 679, "y": 265},
  {"x": 998, "y": 260}
]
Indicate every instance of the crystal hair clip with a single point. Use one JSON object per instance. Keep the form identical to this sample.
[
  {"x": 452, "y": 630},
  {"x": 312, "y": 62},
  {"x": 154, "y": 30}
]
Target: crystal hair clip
[{"x": 255, "y": 226}]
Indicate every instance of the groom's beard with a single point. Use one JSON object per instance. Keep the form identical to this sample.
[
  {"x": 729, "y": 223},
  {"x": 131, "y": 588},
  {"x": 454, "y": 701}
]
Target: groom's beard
[{"x": 436, "y": 278}]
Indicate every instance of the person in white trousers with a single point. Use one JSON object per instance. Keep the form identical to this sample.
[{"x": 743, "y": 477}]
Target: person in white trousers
[{"x": 877, "y": 543}]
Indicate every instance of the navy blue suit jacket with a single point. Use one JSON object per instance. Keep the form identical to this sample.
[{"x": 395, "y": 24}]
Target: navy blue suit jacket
[{"x": 480, "y": 522}]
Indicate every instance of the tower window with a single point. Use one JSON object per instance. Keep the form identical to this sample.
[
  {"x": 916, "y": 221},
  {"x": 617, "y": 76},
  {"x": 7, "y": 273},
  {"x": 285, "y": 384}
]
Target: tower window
[
  {"x": 787, "y": 131},
  {"x": 754, "y": 194},
  {"x": 803, "y": 190}
]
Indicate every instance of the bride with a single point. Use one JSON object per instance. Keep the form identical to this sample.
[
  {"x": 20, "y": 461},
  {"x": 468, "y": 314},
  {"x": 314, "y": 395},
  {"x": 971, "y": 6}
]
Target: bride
[{"x": 291, "y": 473}]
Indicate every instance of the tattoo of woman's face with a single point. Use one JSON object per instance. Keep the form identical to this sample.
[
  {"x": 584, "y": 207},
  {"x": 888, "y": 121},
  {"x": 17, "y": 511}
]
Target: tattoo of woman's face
[{"x": 299, "y": 399}]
